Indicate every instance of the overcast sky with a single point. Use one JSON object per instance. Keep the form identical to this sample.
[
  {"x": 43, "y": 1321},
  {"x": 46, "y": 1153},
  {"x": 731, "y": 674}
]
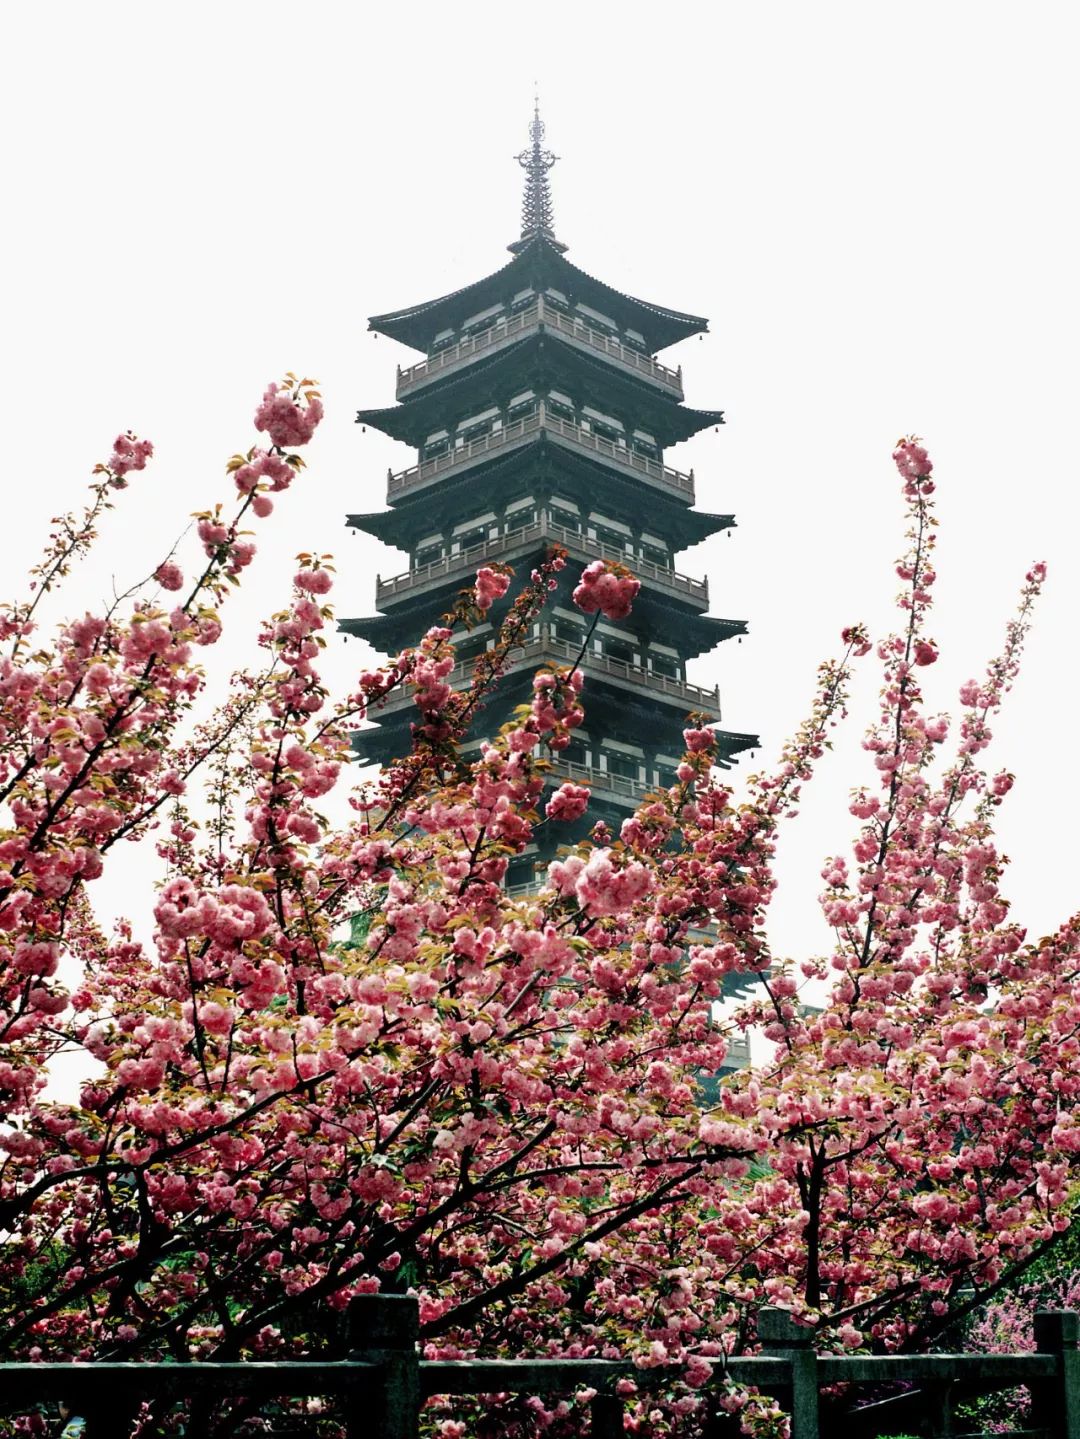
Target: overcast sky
[{"x": 875, "y": 205}]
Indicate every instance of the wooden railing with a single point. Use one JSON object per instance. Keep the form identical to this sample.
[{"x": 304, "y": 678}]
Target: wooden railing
[
  {"x": 538, "y": 315},
  {"x": 550, "y": 645},
  {"x": 454, "y": 356},
  {"x": 520, "y": 432},
  {"x": 383, "y": 1383},
  {"x": 738, "y": 1052},
  {"x": 541, "y": 528},
  {"x": 600, "y": 779},
  {"x": 575, "y": 437},
  {"x": 507, "y": 438},
  {"x": 694, "y": 695}
]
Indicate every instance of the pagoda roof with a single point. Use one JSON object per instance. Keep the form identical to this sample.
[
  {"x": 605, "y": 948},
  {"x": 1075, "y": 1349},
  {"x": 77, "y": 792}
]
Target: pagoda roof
[
  {"x": 697, "y": 634},
  {"x": 401, "y": 527},
  {"x": 730, "y": 743},
  {"x": 378, "y": 630},
  {"x": 538, "y": 360},
  {"x": 390, "y": 734},
  {"x": 538, "y": 263}
]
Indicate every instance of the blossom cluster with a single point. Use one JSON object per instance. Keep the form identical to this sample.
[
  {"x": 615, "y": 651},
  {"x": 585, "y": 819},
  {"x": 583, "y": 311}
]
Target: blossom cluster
[{"x": 606, "y": 587}]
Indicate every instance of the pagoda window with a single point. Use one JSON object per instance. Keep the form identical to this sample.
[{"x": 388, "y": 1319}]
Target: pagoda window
[
  {"x": 668, "y": 665},
  {"x": 606, "y": 426},
  {"x": 656, "y": 551},
  {"x": 576, "y": 752},
  {"x": 428, "y": 551},
  {"x": 596, "y": 518},
  {"x": 618, "y": 649},
  {"x": 520, "y": 514},
  {"x": 557, "y": 298},
  {"x": 521, "y": 870},
  {"x": 568, "y": 630},
  {"x": 521, "y": 406},
  {"x": 561, "y": 405},
  {"x": 471, "y": 646},
  {"x": 435, "y": 445},
  {"x": 646, "y": 444},
  {"x": 475, "y": 432},
  {"x": 522, "y": 300},
  {"x": 474, "y": 532},
  {"x": 665, "y": 771},
  {"x": 623, "y": 765},
  {"x": 612, "y": 534},
  {"x": 477, "y": 426},
  {"x": 487, "y": 414},
  {"x": 565, "y": 519},
  {"x": 482, "y": 320},
  {"x": 635, "y": 339},
  {"x": 608, "y": 432},
  {"x": 596, "y": 320},
  {"x": 612, "y": 540},
  {"x": 488, "y": 518}
]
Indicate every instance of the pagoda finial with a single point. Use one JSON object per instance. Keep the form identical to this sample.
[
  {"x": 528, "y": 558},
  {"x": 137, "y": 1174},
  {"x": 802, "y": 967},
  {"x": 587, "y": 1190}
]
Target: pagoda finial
[{"x": 537, "y": 214}]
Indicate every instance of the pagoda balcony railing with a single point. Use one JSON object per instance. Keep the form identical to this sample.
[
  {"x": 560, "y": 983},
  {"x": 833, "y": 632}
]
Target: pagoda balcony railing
[
  {"x": 738, "y": 1052},
  {"x": 521, "y": 432},
  {"x": 513, "y": 327},
  {"x": 543, "y": 528},
  {"x": 550, "y": 646},
  {"x": 632, "y": 790}
]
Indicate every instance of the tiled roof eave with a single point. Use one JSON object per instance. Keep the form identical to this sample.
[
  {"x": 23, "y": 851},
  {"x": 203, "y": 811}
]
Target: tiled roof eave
[{"x": 539, "y": 248}]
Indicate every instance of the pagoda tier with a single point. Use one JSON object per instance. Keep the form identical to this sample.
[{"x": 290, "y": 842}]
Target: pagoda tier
[
  {"x": 506, "y": 383},
  {"x": 542, "y": 422},
  {"x": 549, "y": 317},
  {"x": 403, "y": 527},
  {"x": 669, "y": 602},
  {"x": 641, "y": 708},
  {"x": 391, "y": 633},
  {"x": 539, "y": 268},
  {"x": 540, "y": 417}
]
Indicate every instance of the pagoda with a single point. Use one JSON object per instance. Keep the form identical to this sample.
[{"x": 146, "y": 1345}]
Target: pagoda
[{"x": 541, "y": 415}]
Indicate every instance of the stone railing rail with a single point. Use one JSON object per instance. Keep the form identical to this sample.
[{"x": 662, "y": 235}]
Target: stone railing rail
[
  {"x": 382, "y": 1382},
  {"x": 541, "y": 528},
  {"x": 519, "y": 432},
  {"x": 550, "y": 645},
  {"x": 600, "y": 779},
  {"x": 511, "y": 327}
]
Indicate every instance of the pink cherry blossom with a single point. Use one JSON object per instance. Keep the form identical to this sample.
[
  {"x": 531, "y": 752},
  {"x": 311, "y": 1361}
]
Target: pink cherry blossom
[
  {"x": 284, "y": 418},
  {"x": 569, "y": 802},
  {"x": 169, "y": 576},
  {"x": 606, "y": 587},
  {"x": 491, "y": 585},
  {"x": 129, "y": 454},
  {"x": 315, "y": 582}
]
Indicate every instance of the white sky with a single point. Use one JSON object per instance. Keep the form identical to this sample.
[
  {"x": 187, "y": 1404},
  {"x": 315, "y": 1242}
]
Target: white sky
[{"x": 875, "y": 206}]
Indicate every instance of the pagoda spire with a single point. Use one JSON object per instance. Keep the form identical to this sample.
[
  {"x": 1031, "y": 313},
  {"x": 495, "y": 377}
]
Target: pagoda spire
[{"x": 537, "y": 212}]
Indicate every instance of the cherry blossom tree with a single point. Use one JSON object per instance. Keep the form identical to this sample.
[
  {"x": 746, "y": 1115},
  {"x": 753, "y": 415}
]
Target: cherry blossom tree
[
  {"x": 915, "y": 1130},
  {"x": 348, "y": 1059}
]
